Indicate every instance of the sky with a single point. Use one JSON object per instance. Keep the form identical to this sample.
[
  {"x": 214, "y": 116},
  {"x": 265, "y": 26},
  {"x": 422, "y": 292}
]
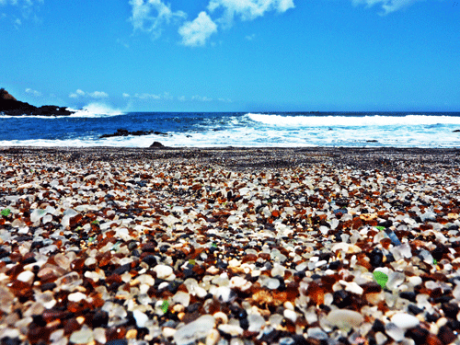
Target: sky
[{"x": 233, "y": 55}]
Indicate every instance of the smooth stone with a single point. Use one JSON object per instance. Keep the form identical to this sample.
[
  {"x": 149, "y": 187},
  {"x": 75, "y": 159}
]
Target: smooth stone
[
  {"x": 181, "y": 297},
  {"x": 195, "y": 330},
  {"x": 255, "y": 322},
  {"x": 83, "y": 336},
  {"x": 345, "y": 319},
  {"x": 163, "y": 271},
  {"x": 317, "y": 333},
  {"x": 405, "y": 321},
  {"x": 140, "y": 318},
  {"x": 396, "y": 333},
  {"x": 232, "y": 330},
  {"x": 76, "y": 297},
  {"x": 26, "y": 277}
]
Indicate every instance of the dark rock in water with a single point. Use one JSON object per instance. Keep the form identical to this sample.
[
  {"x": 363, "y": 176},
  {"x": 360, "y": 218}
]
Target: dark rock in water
[
  {"x": 372, "y": 141},
  {"x": 121, "y": 132},
  {"x": 456, "y": 131},
  {"x": 11, "y": 106},
  {"x": 157, "y": 145}
]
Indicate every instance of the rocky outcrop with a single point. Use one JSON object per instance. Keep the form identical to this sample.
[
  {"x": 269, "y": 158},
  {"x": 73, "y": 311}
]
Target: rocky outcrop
[
  {"x": 124, "y": 132},
  {"x": 157, "y": 145},
  {"x": 11, "y": 106}
]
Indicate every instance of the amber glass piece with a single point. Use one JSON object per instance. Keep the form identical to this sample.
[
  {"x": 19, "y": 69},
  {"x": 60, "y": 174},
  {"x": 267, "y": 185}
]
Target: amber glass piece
[
  {"x": 385, "y": 243},
  {"x": 316, "y": 293},
  {"x": 71, "y": 325},
  {"x": 77, "y": 265},
  {"x": 114, "y": 278},
  {"x": 38, "y": 334},
  {"x": 75, "y": 220},
  {"x": 16, "y": 257},
  {"x": 105, "y": 259},
  {"x": 114, "y": 333},
  {"x": 276, "y": 213},
  {"x": 431, "y": 339},
  {"x": 249, "y": 258}
]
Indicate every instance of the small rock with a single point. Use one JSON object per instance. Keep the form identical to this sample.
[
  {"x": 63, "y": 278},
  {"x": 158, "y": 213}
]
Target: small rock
[
  {"x": 345, "y": 319},
  {"x": 140, "y": 318},
  {"x": 83, "y": 336},
  {"x": 163, "y": 271},
  {"x": 195, "y": 330},
  {"x": 157, "y": 145},
  {"x": 26, "y": 277},
  {"x": 232, "y": 330},
  {"x": 405, "y": 321}
]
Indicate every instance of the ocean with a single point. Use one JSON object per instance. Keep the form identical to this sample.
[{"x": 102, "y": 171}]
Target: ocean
[{"x": 274, "y": 129}]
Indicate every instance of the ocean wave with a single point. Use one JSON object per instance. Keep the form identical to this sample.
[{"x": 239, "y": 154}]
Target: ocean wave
[
  {"x": 367, "y": 120},
  {"x": 96, "y": 110}
]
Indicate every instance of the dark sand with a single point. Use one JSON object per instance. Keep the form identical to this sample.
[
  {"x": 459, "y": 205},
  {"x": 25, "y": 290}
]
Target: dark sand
[{"x": 384, "y": 159}]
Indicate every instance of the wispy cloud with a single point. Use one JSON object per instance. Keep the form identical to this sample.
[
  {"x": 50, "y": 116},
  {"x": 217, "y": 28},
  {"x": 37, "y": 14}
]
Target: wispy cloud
[
  {"x": 33, "y": 92},
  {"x": 149, "y": 96},
  {"x": 96, "y": 94},
  {"x": 24, "y": 8},
  {"x": 196, "y": 33},
  {"x": 201, "y": 98},
  {"x": 23, "y": 3},
  {"x": 248, "y": 9},
  {"x": 388, "y": 6},
  {"x": 151, "y": 15}
]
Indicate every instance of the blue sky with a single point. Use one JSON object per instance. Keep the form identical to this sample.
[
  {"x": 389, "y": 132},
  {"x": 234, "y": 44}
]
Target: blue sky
[{"x": 233, "y": 55}]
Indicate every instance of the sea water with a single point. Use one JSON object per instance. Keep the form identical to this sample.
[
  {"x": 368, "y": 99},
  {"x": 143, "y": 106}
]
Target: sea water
[{"x": 276, "y": 129}]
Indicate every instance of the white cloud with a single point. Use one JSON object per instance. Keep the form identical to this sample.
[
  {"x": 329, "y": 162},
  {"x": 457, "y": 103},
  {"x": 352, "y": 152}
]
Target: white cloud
[
  {"x": 126, "y": 95},
  {"x": 250, "y": 37},
  {"x": 388, "y": 6},
  {"x": 96, "y": 94},
  {"x": 248, "y": 9},
  {"x": 196, "y": 33},
  {"x": 33, "y": 92},
  {"x": 150, "y": 15}
]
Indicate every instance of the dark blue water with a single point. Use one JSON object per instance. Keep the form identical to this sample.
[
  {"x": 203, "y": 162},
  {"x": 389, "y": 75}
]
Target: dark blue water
[{"x": 239, "y": 129}]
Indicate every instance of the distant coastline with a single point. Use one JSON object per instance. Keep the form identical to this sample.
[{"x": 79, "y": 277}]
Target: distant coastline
[{"x": 11, "y": 106}]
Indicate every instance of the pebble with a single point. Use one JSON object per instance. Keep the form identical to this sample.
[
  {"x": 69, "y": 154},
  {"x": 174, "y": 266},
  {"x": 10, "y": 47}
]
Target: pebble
[
  {"x": 26, "y": 277},
  {"x": 395, "y": 332},
  {"x": 345, "y": 319},
  {"x": 232, "y": 330},
  {"x": 256, "y": 322},
  {"x": 163, "y": 271},
  {"x": 83, "y": 336},
  {"x": 405, "y": 321},
  {"x": 140, "y": 318},
  {"x": 195, "y": 330}
]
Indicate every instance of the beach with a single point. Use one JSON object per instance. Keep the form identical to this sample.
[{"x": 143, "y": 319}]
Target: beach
[{"x": 108, "y": 245}]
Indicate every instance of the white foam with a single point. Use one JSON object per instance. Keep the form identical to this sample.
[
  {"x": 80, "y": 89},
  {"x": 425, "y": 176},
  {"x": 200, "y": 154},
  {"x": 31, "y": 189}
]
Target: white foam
[
  {"x": 368, "y": 120},
  {"x": 96, "y": 110}
]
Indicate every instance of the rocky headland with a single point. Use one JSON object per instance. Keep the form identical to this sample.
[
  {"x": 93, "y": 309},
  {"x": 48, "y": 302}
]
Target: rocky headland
[{"x": 11, "y": 106}]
